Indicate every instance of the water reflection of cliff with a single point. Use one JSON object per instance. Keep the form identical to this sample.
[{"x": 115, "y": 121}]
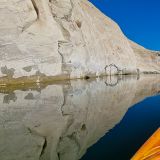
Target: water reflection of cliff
[{"x": 59, "y": 122}]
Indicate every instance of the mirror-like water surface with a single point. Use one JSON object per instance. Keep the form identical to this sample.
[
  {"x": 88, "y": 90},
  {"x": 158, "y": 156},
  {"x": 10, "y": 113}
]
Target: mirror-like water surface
[{"x": 107, "y": 118}]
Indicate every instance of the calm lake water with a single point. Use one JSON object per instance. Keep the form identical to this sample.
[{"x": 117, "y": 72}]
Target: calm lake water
[{"x": 98, "y": 119}]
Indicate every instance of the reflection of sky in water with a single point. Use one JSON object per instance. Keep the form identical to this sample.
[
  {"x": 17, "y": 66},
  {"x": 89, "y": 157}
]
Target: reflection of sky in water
[
  {"x": 139, "y": 123},
  {"x": 61, "y": 121}
]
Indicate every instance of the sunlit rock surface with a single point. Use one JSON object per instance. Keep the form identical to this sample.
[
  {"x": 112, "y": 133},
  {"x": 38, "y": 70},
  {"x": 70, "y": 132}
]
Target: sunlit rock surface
[
  {"x": 65, "y": 39},
  {"x": 61, "y": 121}
]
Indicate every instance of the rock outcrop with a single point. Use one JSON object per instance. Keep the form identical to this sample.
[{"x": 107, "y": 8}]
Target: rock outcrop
[
  {"x": 65, "y": 39},
  {"x": 60, "y": 122}
]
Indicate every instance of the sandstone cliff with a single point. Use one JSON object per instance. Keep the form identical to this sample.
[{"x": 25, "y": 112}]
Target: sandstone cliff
[{"x": 64, "y": 39}]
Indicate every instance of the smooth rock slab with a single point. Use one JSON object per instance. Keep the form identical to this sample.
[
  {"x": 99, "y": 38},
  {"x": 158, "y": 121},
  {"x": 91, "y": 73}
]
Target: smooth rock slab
[{"x": 65, "y": 39}]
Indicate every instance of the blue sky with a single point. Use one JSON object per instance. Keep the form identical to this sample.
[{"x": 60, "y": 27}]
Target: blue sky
[{"x": 138, "y": 19}]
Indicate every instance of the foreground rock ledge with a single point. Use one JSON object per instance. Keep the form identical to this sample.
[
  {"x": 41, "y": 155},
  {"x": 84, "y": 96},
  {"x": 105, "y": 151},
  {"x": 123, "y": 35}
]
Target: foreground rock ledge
[{"x": 65, "y": 39}]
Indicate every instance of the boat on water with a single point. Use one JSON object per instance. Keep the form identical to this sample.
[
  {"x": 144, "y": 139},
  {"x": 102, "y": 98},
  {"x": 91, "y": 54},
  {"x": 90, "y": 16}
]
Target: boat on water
[{"x": 150, "y": 150}]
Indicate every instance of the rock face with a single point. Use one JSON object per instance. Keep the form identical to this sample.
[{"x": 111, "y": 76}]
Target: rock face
[
  {"x": 64, "y": 39},
  {"x": 59, "y": 122}
]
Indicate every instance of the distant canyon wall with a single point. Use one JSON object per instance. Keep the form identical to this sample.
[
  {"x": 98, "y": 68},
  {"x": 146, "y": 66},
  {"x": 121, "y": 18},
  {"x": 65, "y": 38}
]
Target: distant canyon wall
[{"x": 65, "y": 39}]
